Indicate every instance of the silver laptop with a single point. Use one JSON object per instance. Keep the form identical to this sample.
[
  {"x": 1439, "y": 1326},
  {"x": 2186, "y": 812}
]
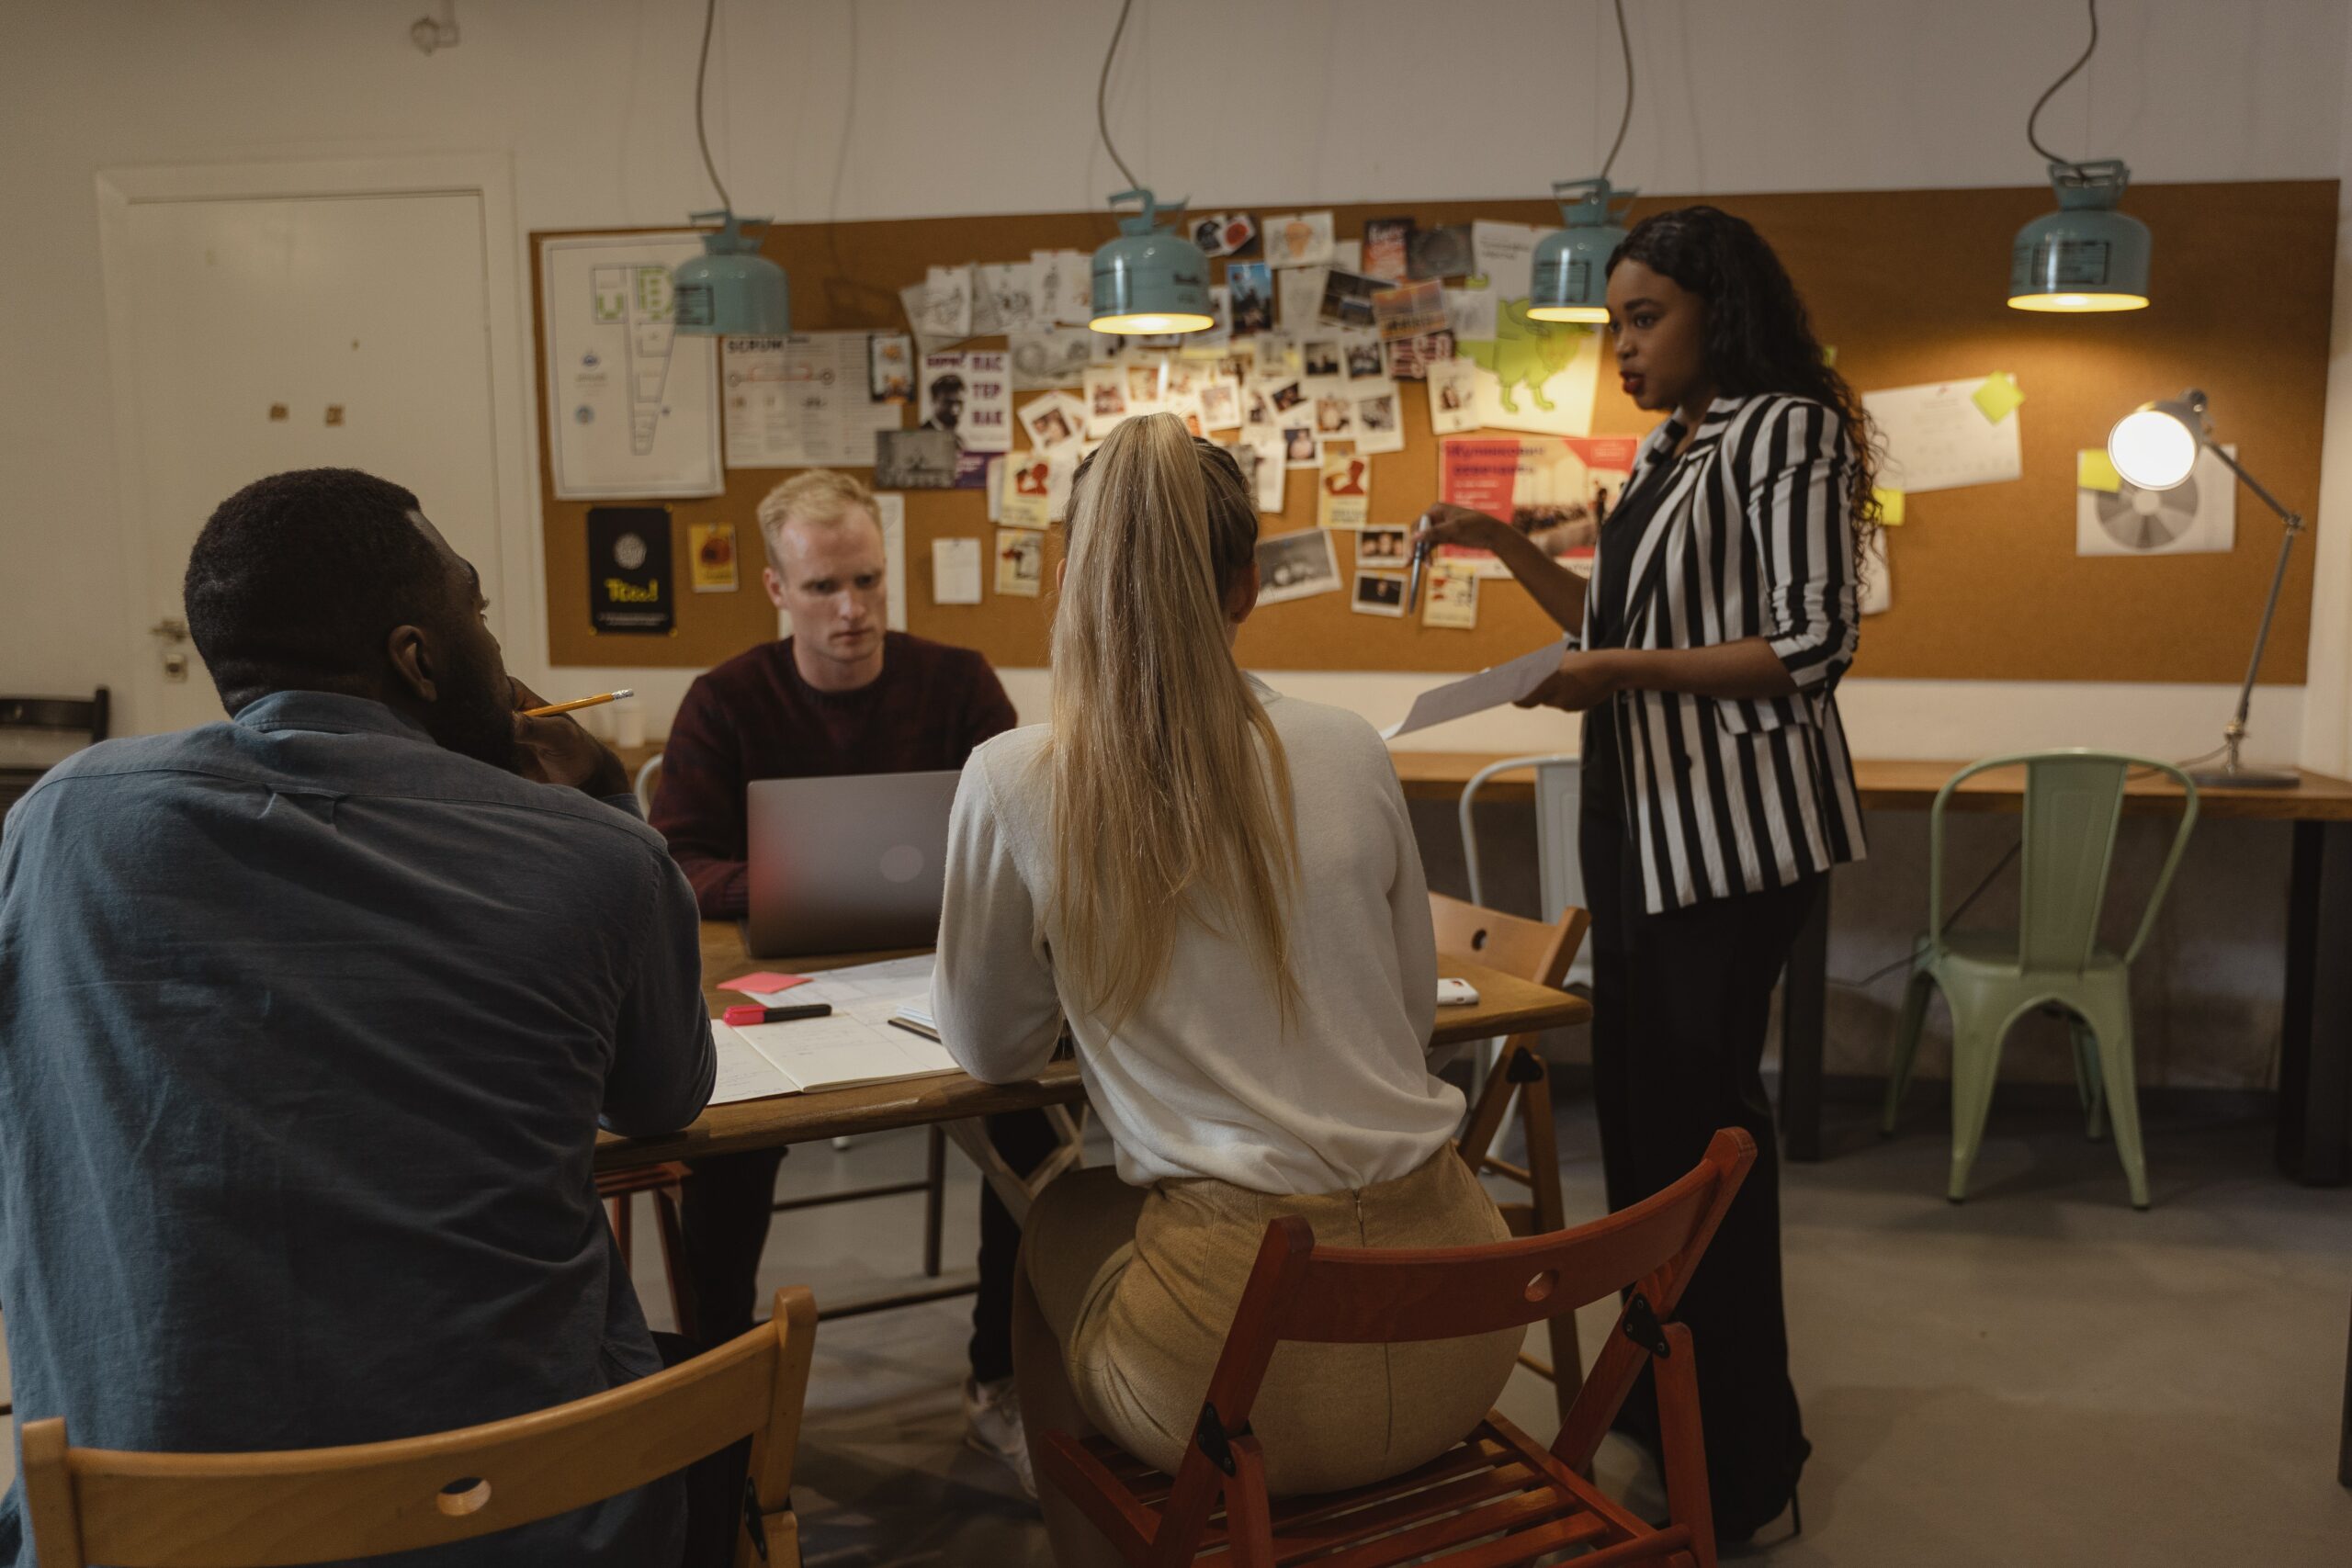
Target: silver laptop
[{"x": 847, "y": 864}]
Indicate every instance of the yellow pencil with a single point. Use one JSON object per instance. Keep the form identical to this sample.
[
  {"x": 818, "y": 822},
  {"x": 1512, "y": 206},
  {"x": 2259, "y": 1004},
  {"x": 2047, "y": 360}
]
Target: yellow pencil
[{"x": 578, "y": 703}]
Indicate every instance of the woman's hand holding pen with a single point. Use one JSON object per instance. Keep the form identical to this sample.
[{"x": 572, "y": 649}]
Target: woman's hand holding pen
[{"x": 555, "y": 749}]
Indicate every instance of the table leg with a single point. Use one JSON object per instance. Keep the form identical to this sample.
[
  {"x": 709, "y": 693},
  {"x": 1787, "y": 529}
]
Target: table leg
[
  {"x": 1805, "y": 996},
  {"x": 2316, "y": 1026}
]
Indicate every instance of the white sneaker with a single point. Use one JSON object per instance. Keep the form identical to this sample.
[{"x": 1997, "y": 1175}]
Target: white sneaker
[{"x": 993, "y": 1426}]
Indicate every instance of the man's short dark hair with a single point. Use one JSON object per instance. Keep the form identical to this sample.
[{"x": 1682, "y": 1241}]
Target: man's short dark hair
[
  {"x": 951, "y": 383},
  {"x": 297, "y": 580}
]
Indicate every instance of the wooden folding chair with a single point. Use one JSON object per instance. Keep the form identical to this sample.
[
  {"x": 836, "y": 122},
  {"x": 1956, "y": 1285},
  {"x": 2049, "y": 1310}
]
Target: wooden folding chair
[
  {"x": 618, "y": 1188},
  {"x": 1542, "y": 953},
  {"x": 1498, "y": 1497},
  {"x": 257, "y": 1510}
]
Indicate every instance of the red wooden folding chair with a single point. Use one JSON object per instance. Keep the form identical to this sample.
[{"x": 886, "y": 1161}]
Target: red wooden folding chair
[{"x": 1498, "y": 1497}]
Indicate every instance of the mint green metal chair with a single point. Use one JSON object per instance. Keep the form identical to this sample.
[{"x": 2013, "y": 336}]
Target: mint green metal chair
[{"x": 2072, "y": 801}]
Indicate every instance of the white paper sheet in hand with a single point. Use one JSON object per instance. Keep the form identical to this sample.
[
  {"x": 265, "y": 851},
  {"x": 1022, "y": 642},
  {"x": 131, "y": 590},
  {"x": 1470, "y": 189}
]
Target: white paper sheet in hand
[{"x": 1490, "y": 688}]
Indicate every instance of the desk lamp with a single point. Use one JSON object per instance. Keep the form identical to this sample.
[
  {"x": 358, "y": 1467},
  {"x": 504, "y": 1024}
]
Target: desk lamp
[{"x": 2155, "y": 447}]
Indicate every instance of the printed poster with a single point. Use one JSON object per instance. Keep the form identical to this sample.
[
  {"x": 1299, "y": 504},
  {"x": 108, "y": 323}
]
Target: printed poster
[
  {"x": 630, "y": 589},
  {"x": 1555, "y": 490},
  {"x": 804, "y": 401},
  {"x": 633, "y": 405}
]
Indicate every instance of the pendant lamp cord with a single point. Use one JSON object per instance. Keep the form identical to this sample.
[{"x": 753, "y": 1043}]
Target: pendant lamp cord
[
  {"x": 1625, "y": 44},
  {"x": 702, "y": 130},
  {"x": 1103, "y": 87},
  {"x": 2032, "y": 139}
]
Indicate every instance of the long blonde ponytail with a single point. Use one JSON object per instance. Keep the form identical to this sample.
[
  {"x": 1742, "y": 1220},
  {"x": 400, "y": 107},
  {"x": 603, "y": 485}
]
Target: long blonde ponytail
[{"x": 1171, "y": 796}]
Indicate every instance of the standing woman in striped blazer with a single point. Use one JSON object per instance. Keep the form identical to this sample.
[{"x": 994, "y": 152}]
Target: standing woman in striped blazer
[{"x": 1718, "y": 788}]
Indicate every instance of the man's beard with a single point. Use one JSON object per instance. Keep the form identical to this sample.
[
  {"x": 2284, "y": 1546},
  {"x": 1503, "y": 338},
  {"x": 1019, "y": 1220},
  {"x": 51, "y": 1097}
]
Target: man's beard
[{"x": 475, "y": 719}]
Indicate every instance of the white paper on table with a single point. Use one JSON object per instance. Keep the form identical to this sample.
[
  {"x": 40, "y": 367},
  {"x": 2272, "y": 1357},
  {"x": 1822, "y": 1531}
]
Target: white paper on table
[
  {"x": 1937, "y": 438},
  {"x": 800, "y": 401},
  {"x": 1490, "y": 688},
  {"x": 743, "y": 1073},
  {"x": 954, "y": 571},
  {"x": 634, "y": 404},
  {"x": 814, "y": 1054}
]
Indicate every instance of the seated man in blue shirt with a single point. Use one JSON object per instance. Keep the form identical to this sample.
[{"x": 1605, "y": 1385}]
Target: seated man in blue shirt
[{"x": 308, "y": 1020}]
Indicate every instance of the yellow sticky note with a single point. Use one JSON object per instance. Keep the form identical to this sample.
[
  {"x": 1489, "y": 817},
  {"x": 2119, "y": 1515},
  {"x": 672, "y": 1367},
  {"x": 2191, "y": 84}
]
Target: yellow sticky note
[
  {"x": 1829, "y": 354},
  {"x": 2094, "y": 470},
  {"x": 1890, "y": 505},
  {"x": 1998, "y": 397}
]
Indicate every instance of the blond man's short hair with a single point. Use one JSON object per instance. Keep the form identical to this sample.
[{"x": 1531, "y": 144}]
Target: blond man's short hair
[{"x": 820, "y": 496}]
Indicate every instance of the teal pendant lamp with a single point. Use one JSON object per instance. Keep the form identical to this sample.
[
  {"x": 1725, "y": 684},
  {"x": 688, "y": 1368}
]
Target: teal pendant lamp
[
  {"x": 2087, "y": 255},
  {"x": 1150, "y": 279},
  {"x": 1572, "y": 267},
  {"x": 730, "y": 290},
  {"x": 1571, "y": 279}
]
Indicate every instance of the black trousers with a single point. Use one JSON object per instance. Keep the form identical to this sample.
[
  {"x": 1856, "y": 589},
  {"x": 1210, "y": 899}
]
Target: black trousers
[
  {"x": 1681, "y": 1000},
  {"x": 728, "y": 1199}
]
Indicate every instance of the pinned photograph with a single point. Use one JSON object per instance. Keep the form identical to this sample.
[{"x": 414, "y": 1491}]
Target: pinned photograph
[
  {"x": 1106, "y": 397},
  {"x": 1413, "y": 310},
  {"x": 1180, "y": 378},
  {"x": 1379, "y": 425},
  {"x": 1335, "y": 416},
  {"x": 1221, "y": 403},
  {"x": 1298, "y": 239},
  {"x": 914, "y": 459},
  {"x": 1302, "y": 448},
  {"x": 1011, "y": 290},
  {"x": 1365, "y": 362},
  {"x": 1347, "y": 297},
  {"x": 1450, "y": 599},
  {"x": 1285, "y": 399},
  {"x": 1298, "y": 298},
  {"x": 1245, "y": 457},
  {"x": 1443, "y": 251},
  {"x": 1272, "y": 474},
  {"x": 1239, "y": 361},
  {"x": 944, "y": 389},
  {"x": 1409, "y": 358},
  {"x": 1257, "y": 413},
  {"x": 1147, "y": 385},
  {"x": 1055, "y": 420},
  {"x": 1386, "y": 240},
  {"x": 1050, "y": 356},
  {"x": 890, "y": 368},
  {"x": 1453, "y": 397},
  {"x": 1278, "y": 356},
  {"x": 1384, "y": 549},
  {"x": 1249, "y": 288},
  {"x": 1343, "y": 497},
  {"x": 1226, "y": 234},
  {"x": 1379, "y": 593},
  {"x": 1293, "y": 565},
  {"x": 1035, "y": 491},
  {"x": 947, "y": 303},
  {"x": 1020, "y": 562},
  {"x": 1320, "y": 357}
]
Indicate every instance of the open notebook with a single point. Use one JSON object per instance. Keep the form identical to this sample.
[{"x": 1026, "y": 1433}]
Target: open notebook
[{"x": 856, "y": 1046}]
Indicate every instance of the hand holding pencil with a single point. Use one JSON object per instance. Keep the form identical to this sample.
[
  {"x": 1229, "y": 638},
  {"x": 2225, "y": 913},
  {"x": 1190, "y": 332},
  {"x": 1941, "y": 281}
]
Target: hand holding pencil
[{"x": 552, "y": 748}]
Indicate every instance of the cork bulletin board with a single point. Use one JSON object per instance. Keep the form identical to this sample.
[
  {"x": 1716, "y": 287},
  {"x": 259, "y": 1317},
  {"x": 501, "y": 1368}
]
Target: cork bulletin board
[{"x": 1908, "y": 286}]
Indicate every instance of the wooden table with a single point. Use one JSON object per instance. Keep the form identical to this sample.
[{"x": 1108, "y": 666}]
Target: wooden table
[
  {"x": 2314, "y": 1131},
  {"x": 1507, "y": 1005}
]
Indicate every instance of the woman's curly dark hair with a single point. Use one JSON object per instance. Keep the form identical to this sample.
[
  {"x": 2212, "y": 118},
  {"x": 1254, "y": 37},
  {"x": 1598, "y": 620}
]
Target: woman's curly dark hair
[{"x": 1758, "y": 338}]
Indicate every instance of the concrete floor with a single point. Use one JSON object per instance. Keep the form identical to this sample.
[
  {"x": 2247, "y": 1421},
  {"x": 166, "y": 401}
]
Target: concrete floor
[{"x": 2039, "y": 1377}]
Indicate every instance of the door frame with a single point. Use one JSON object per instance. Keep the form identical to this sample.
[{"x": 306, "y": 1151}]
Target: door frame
[{"x": 487, "y": 177}]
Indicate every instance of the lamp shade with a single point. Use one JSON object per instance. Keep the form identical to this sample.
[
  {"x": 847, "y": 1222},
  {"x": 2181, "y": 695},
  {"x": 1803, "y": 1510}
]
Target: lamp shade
[
  {"x": 1150, "y": 279},
  {"x": 731, "y": 290},
  {"x": 2087, "y": 255},
  {"x": 1571, "y": 281},
  {"x": 2155, "y": 447}
]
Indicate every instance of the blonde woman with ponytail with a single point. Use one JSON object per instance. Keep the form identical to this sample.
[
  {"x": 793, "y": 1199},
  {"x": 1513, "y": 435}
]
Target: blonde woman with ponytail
[{"x": 1217, "y": 887}]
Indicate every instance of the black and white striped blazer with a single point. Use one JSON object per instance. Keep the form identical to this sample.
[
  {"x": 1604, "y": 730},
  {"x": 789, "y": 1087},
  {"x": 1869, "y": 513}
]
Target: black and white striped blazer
[{"x": 1752, "y": 538}]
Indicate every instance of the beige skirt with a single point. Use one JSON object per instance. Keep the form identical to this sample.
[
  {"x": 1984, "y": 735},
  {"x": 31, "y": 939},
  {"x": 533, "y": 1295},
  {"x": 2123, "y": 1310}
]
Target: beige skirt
[{"x": 1140, "y": 1287}]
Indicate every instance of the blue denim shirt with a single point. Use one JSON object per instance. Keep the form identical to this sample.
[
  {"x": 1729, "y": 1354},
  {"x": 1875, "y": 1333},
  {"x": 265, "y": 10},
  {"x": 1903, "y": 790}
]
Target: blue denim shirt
[{"x": 306, "y": 1029}]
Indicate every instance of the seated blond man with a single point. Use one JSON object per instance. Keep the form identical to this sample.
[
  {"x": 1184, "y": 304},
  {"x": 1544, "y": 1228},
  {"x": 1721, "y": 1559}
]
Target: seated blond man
[{"x": 842, "y": 696}]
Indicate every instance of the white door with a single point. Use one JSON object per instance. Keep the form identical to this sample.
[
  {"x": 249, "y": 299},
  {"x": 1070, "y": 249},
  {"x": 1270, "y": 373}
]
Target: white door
[{"x": 309, "y": 332}]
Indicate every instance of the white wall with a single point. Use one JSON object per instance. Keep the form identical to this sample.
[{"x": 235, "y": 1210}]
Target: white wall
[{"x": 908, "y": 108}]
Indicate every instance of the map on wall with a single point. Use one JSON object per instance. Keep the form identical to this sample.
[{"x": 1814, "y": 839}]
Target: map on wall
[{"x": 632, "y": 404}]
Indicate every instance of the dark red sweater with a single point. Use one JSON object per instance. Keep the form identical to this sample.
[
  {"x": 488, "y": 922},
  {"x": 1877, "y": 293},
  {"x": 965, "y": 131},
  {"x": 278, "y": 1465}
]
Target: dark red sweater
[{"x": 755, "y": 717}]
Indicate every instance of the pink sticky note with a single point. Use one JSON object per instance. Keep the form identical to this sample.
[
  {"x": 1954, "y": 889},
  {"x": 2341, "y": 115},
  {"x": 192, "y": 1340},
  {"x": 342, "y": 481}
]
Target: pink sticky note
[{"x": 763, "y": 981}]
